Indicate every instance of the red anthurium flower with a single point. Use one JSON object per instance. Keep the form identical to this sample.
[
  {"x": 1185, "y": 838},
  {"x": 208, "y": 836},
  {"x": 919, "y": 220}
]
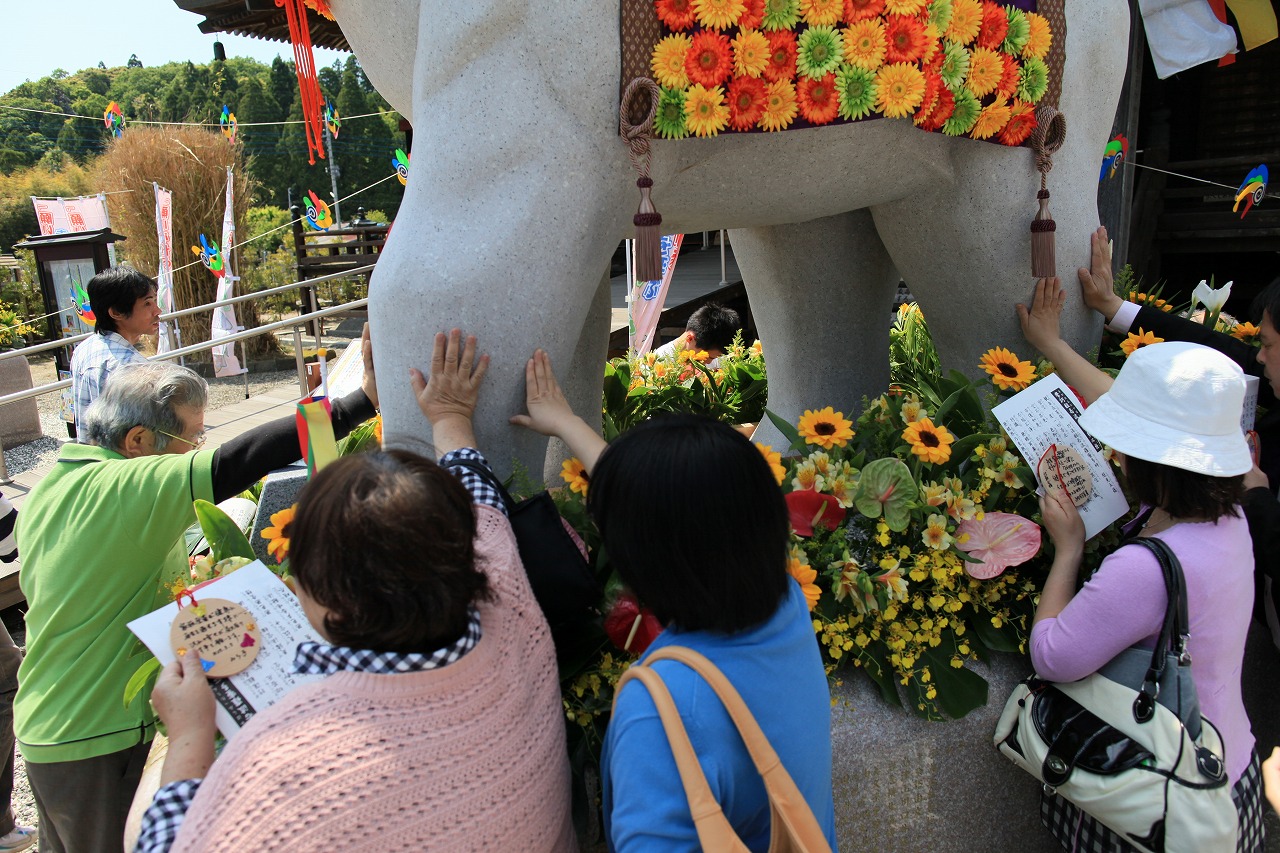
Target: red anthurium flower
[
  {"x": 620, "y": 624},
  {"x": 809, "y": 508}
]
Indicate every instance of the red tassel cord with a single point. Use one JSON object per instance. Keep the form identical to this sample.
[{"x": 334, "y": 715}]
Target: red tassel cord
[{"x": 304, "y": 62}]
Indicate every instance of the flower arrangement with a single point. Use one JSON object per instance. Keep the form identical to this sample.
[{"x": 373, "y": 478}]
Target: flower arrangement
[{"x": 12, "y": 329}]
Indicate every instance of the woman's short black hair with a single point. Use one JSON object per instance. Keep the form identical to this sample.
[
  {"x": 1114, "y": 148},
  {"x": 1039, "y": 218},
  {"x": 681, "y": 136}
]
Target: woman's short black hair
[
  {"x": 119, "y": 287},
  {"x": 383, "y": 540},
  {"x": 1182, "y": 493},
  {"x": 694, "y": 522}
]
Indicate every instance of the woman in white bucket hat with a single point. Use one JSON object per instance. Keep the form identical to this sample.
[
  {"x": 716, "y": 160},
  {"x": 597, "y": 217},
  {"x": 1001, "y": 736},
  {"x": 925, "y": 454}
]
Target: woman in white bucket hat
[{"x": 1173, "y": 416}]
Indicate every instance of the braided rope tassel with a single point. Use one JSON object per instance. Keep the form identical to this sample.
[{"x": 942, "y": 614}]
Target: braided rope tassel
[
  {"x": 637, "y": 136},
  {"x": 1046, "y": 139}
]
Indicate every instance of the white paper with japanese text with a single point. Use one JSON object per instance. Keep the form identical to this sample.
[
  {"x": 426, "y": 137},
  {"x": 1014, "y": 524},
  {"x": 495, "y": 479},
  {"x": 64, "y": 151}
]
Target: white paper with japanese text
[
  {"x": 1048, "y": 413},
  {"x": 282, "y": 625}
]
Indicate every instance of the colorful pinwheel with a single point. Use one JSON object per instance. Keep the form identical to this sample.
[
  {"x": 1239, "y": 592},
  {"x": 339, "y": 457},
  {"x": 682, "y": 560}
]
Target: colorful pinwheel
[
  {"x": 113, "y": 119},
  {"x": 210, "y": 255},
  {"x": 332, "y": 119},
  {"x": 1252, "y": 190},
  {"x": 401, "y": 165},
  {"x": 318, "y": 215},
  {"x": 1113, "y": 156},
  {"x": 80, "y": 301},
  {"x": 228, "y": 122}
]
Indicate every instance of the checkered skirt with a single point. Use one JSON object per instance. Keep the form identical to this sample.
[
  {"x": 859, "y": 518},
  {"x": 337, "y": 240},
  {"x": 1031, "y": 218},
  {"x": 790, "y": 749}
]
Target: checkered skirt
[{"x": 1080, "y": 833}]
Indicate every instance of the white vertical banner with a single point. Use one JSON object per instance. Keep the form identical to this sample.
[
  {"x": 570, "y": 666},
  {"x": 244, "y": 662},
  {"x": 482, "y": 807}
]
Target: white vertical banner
[
  {"x": 164, "y": 269},
  {"x": 225, "y": 362}
]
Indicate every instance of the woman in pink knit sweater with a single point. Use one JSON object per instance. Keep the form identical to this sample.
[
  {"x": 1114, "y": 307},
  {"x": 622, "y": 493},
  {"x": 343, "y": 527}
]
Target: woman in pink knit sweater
[{"x": 439, "y": 726}]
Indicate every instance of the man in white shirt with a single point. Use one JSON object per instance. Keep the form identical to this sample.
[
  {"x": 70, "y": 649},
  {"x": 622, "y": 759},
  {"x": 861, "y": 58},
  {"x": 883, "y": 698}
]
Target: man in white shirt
[{"x": 710, "y": 328}]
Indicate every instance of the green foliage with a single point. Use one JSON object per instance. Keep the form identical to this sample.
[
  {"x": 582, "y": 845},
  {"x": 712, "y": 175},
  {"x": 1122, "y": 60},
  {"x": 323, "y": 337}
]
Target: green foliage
[
  {"x": 60, "y": 176},
  {"x": 911, "y": 350},
  {"x": 224, "y": 536}
]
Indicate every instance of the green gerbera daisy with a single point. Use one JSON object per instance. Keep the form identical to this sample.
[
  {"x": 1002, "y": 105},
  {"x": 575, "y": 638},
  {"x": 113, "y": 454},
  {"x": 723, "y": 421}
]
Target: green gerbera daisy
[
  {"x": 668, "y": 121},
  {"x": 1033, "y": 80},
  {"x": 1019, "y": 31},
  {"x": 780, "y": 14},
  {"x": 955, "y": 64},
  {"x": 856, "y": 89},
  {"x": 965, "y": 115},
  {"x": 940, "y": 14},
  {"x": 819, "y": 51}
]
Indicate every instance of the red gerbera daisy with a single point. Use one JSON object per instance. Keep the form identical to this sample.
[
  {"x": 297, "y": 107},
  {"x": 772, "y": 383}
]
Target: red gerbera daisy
[
  {"x": 945, "y": 107},
  {"x": 746, "y": 99},
  {"x": 709, "y": 61},
  {"x": 752, "y": 16},
  {"x": 675, "y": 14},
  {"x": 1022, "y": 120},
  {"x": 860, "y": 10},
  {"x": 995, "y": 26},
  {"x": 819, "y": 103},
  {"x": 782, "y": 56},
  {"x": 932, "y": 89},
  {"x": 904, "y": 37},
  {"x": 1009, "y": 79}
]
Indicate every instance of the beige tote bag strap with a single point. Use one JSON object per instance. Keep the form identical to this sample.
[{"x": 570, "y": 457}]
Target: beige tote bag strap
[
  {"x": 794, "y": 825},
  {"x": 714, "y": 830}
]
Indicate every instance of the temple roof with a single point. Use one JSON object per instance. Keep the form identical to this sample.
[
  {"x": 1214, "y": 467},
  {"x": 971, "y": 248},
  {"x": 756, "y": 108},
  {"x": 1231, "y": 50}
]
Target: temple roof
[{"x": 261, "y": 19}]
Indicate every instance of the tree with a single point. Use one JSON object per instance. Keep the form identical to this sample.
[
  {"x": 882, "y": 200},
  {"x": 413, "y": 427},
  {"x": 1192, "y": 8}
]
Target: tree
[
  {"x": 283, "y": 86},
  {"x": 134, "y": 61},
  {"x": 17, "y": 214}
]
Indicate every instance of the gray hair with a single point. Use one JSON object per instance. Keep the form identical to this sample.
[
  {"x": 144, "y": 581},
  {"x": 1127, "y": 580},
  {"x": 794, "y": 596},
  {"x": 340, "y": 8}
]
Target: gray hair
[{"x": 145, "y": 395}]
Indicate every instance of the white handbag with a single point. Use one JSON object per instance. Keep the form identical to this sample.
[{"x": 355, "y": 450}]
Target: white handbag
[{"x": 1127, "y": 744}]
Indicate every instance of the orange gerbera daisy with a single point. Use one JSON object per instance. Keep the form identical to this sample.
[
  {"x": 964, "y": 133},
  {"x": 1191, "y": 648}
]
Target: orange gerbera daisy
[
  {"x": 277, "y": 535},
  {"x": 1246, "y": 332},
  {"x": 991, "y": 120},
  {"x": 751, "y": 53},
  {"x": 904, "y": 7},
  {"x": 899, "y": 89},
  {"x": 798, "y": 567},
  {"x": 862, "y": 10},
  {"x": 818, "y": 101},
  {"x": 995, "y": 25},
  {"x": 746, "y": 102},
  {"x": 1135, "y": 342},
  {"x": 779, "y": 106},
  {"x": 752, "y": 15},
  {"x": 904, "y": 39},
  {"x": 708, "y": 62},
  {"x": 929, "y": 101},
  {"x": 946, "y": 105},
  {"x": 825, "y": 427},
  {"x": 1009, "y": 79},
  {"x": 706, "y": 114},
  {"x": 774, "y": 459},
  {"x": 573, "y": 472},
  {"x": 966, "y": 19},
  {"x": 1022, "y": 120},
  {"x": 782, "y": 56},
  {"x": 718, "y": 14},
  {"x": 865, "y": 45},
  {"x": 675, "y": 14},
  {"x": 1007, "y": 371},
  {"x": 668, "y": 61},
  {"x": 1041, "y": 36},
  {"x": 985, "y": 69},
  {"x": 931, "y": 443}
]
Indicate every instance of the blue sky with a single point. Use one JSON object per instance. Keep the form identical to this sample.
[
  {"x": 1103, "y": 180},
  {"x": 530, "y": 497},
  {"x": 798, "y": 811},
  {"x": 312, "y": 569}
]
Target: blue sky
[{"x": 75, "y": 34}]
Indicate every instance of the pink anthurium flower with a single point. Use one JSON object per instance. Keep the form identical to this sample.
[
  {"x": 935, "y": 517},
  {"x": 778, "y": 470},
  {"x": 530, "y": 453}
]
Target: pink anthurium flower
[{"x": 999, "y": 540}]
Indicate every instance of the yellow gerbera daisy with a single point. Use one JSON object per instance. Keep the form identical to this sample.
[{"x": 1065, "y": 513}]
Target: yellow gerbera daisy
[
  {"x": 718, "y": 14},
  {"x": 668, "y": 61},
  {"x": 899, "y": 89},
  {"x": 864, "y": 44},
  {"x": 1246, "y": 332},
  {"x": 991, "y": 120},
  {"x": 1135, "y": 342},
  {"x": 1007, "y": 372},
  {"x": 798, "y": 567},
  {"x": 573, "y": 472},
  {"x": 821, "y": 13},
  {"x": 935, "y": 534},
  {"x": 779, "y": 105},
  {"x": 932, "y": 44},
  {"x": 706, "y": 113},
  {"x": 1040, "y": 38},
  {"x": 903, "y": 7},
  {"x": 277, "y": 535},
  {"x": 750, "y": 53},
  {"x": 825, "y": 427},
  {"x": 985, "y": 68},
  {"x": 931, "y": 443},
  {"x": 775, "y": 461},
  {"x": 966, "y": 19}
]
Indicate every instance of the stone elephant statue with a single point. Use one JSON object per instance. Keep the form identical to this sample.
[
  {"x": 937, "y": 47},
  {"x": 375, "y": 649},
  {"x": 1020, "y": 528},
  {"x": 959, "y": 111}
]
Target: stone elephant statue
[{"x": 521, "y": 189}]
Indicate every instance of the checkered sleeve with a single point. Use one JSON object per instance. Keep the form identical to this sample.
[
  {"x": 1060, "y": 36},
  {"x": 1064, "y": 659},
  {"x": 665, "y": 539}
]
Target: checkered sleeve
[
  {"x": 163, "y": 818},
  {"x": 481, "y": 488}
]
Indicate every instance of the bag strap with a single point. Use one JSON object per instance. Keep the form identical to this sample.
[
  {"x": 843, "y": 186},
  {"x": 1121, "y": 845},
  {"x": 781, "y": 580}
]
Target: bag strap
[
  {"x": 489, "y": 477},
  {"x": 1174, "y": 631}
]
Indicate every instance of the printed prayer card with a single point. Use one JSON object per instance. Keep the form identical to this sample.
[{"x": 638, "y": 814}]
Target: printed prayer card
[{"x": 1045, "y": 415}]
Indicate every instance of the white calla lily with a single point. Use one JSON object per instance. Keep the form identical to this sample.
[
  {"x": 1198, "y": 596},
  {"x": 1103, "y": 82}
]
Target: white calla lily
[{"x": 1212, "y": 298}]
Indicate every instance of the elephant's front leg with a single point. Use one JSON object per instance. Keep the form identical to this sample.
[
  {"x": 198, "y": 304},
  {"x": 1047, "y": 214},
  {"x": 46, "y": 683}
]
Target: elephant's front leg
[{"x": 821, "y": 292}]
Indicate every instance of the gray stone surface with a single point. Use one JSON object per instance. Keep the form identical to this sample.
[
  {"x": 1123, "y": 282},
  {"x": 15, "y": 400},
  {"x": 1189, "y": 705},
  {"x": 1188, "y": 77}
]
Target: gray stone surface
[
  {"x": 20, "y": 421},
  {"x": 280, "y": 491}
]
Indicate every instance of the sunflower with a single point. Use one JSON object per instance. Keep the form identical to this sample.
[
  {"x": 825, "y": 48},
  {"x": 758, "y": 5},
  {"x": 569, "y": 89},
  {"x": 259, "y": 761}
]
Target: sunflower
[
  {"x": 985, "y": 69},
  {"x": 825, "y": 427},
  {"x": 955, "y": 64},
  {"x": 865, "y": 45},
  {"x": 1034, "y": 80},
  {"x": 991, "y": 120},
  {"x": 718, "y": 14},
  {"x": 821, "y": 13},
  {"x": 818, "y": 101},
  {"x": 995, "y": 25},
  {"x": 752, "y": 15},
  {"x": 1129, "y": 345},
  {"x": 899, "y": 89},
  {"x": 1246, "y": 332},
  {"x": 750, "y": 53},
  {"x": 818, "y": 51},
  {"x": 798, "y": 567},
  {"x": 931, "y": 443},
  {"x": 862, "y": 10},
  {"x": 668, "y": 120},
  {"x": 782, "y": 56},
  {"x": 1022, "y": 120},
  {"x": 935, "y": 533},
  {"x": 705, "y": 111},
  {"x": 940, "y": 14},
  {"x": 573, "y": 472},
  {"x": 675, "y": 15},
  {"x": 668, "y": 61},
  {"x": 779, "y": 106},
  {"x": 1007, "y": 372},
  {"x": 746, "y": 97},
  {"x": 1039, "y": 36},
  {"x": 1019, "y": 31},
  {"x": 277, "y": 535},
  {"x": 774, "y": 460},
  {"x": 780, "y": 14},
  {"x": 856, "y": 88},
  {"x": 966, "y": 19},
  {"x": 904, "y": 39}
]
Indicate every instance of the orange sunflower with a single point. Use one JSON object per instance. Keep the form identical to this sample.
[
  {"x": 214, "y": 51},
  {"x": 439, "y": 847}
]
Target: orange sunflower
[
  {"x": 752, "y": 15},
  {"x": 774, "y": 459},
  {"x": 573, "y": 472},
  {"x": 1007, "y": 372},
  {"x": 1143, "y": 338},
  {"x": 1246, "y": 332},
  {"x": 277, "y": 535},
  {"x": 825, "y": 427},
  {"x": 798, "y": 567},
  {"x": 995, "y": 25},
  {"x": 931, "y": 443}
]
